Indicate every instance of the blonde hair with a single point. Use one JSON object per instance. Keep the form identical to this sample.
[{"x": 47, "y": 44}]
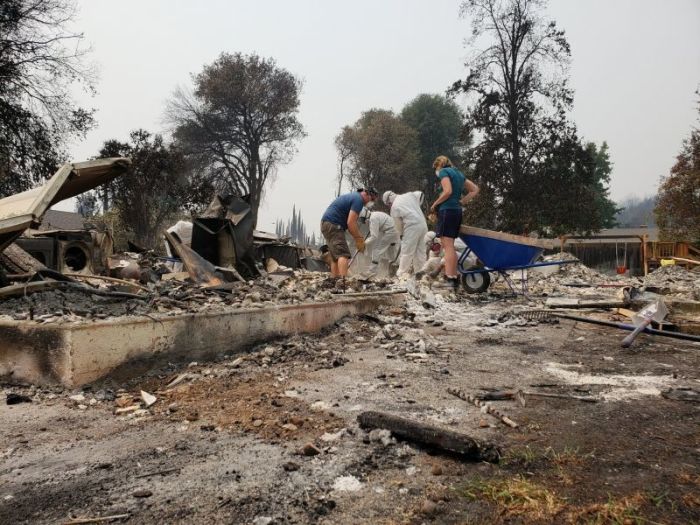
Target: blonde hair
[{"x": 441, "y": 162}]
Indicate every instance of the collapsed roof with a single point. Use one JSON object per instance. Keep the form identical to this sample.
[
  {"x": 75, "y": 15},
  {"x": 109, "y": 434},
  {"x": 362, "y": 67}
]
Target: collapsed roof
[{"x": 18, "y": 212}]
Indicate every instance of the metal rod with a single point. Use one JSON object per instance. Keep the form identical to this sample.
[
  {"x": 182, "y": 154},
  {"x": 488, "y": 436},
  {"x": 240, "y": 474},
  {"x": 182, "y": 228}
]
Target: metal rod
[{"x": 630, "y": 327}]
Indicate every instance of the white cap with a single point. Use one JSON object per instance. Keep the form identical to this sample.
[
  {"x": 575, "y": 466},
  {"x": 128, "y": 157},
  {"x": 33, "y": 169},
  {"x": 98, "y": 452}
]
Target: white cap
[{"x": 388, "y": 197}]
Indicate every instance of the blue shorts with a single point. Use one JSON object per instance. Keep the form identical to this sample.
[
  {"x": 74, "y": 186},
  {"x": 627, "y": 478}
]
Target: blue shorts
[{"x": 449, "y": 222}]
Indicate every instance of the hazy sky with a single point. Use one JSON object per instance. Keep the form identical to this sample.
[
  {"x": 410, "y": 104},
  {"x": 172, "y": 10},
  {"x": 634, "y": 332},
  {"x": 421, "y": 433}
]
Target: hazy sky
[{"x": 635, "y": 68}]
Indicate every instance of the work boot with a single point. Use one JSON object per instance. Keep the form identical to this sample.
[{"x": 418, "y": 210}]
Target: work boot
[
  {"x": 450, "y": 282},
  {"x": 453, "y": 282}
]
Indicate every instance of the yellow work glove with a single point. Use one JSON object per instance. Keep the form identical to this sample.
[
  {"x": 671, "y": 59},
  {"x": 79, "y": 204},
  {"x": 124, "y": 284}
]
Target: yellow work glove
[{"x": 360, "y": 243}]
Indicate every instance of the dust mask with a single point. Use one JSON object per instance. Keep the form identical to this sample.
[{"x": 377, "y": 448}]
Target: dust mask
[{"x": 369, "y": 205}]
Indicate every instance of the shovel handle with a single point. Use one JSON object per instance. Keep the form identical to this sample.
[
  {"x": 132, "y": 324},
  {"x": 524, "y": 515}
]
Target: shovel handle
[{"x": 627, "y": 341}]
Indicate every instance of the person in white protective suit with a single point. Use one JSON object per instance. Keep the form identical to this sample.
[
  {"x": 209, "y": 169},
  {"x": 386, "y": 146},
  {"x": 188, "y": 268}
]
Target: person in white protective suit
[
  {"x": 436, "y": 260},
  {"x": 382, "y": 242},
  {"x": 411, "y": 227}
]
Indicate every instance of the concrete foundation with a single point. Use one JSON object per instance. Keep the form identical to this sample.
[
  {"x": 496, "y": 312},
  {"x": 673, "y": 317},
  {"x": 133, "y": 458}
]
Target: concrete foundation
[{"x": 74, "y": 354}]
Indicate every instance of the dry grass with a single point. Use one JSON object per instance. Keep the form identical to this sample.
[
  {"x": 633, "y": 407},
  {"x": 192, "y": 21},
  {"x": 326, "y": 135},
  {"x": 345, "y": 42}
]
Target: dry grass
[
  {"x": 689, "y": 479},
  {"x": 527, "y": 456},
  {"x": 621, "y": 511},
  {"x": 691, "y": 500},
  {"x": 532, "y": 502},
  {"x": 516, "y": 497}
]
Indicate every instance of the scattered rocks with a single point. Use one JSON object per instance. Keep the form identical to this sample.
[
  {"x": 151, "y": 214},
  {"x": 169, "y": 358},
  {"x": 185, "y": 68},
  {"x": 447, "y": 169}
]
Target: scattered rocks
[
  {"x": 428, "y": 508},
  {"x": 148, "y": 399}
]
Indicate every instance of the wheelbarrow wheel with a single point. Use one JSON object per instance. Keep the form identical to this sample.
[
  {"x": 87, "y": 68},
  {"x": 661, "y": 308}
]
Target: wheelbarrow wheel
[{"x": 476, "y": 282}]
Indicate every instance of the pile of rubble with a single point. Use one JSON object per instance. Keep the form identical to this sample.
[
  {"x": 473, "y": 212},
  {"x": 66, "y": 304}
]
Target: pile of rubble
[
  {"x": 675, "y": 281},
  {"x": 81, "y": 301},
  {"x": 574, "y": 278}
]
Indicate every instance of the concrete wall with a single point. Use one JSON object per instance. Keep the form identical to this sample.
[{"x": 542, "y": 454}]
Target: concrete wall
[{"x": 74, "y": 354}]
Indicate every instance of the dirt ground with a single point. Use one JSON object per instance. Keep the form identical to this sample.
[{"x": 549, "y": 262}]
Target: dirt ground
[{"x": 272, "y": 437}]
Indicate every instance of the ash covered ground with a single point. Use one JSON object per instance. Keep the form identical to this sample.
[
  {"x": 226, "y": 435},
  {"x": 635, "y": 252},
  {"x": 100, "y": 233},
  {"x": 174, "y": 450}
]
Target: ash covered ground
[{"x": 271, "y": 436}]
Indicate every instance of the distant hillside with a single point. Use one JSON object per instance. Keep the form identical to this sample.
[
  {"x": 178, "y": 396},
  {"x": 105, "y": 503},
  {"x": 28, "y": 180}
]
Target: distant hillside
[{"x": 636, "y": 212}]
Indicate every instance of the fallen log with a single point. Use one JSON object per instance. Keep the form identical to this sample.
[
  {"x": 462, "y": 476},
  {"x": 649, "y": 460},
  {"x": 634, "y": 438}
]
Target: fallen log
[{"x": 446, "y": 440}]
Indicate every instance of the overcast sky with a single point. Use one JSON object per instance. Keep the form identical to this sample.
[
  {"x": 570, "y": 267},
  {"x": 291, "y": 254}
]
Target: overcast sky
[{"x": 635, "y": 68}]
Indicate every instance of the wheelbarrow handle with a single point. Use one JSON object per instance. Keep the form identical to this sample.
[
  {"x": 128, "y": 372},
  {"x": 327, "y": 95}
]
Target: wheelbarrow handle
[{"x": 627, "y": 341}]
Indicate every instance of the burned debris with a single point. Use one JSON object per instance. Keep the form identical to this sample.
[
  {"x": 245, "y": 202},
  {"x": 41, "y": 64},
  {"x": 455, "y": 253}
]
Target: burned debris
[{"x": 303, "y": 395}]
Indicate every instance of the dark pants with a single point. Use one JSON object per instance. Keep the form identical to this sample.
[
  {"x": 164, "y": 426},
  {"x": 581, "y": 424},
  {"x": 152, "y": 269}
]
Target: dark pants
[{"x": 449, "y": 222}]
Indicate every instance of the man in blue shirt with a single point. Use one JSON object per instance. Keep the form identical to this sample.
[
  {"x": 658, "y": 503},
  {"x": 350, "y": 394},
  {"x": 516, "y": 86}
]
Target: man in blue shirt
[{"x": 341, "y": 215}]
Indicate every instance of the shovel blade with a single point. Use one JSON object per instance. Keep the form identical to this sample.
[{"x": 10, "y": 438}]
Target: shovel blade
[{"x": 655, "y": 311}]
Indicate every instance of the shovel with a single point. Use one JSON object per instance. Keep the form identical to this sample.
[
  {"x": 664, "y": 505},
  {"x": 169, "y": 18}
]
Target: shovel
[{"x": 655, "y": 311}]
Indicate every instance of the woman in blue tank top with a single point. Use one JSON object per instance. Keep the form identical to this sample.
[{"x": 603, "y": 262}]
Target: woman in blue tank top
[{"x": 449, "y": 209}]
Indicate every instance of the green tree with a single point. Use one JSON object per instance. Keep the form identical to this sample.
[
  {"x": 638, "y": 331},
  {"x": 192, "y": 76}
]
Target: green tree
[
  {"x": 157, "y": 186},
  {"x": 569, "y": 177},
  {"x": 528, "y": 160},
  {"x": 438, "y": 122},
  {"x": 240, "y": 123},
  {"x": 40, "y": 61},
  {"x": 678, "y": 209},
  {"x": 380, "y": 151}
]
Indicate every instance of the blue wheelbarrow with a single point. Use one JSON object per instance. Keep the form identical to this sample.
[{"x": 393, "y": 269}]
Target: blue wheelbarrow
[{"x": 499, "y": 253}]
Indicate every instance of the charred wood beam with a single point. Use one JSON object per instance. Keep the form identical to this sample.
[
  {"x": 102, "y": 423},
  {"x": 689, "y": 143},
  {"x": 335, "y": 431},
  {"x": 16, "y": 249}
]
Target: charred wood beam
[{"x": 431, "y": 436}]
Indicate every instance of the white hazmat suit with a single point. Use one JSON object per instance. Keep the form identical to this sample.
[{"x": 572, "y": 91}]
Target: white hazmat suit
[
  {"x": 436, "y": 261},
  {"x": 411, "y": 226},
  {"x": 382, "y": 243}
]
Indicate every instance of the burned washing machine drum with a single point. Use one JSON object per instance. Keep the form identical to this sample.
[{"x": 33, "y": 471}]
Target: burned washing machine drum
[
  {"x": 64, "y": 251},
  {"x": 75, "y": 257}
]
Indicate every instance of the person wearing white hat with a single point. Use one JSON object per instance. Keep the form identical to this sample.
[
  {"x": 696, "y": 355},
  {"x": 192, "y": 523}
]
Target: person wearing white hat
[{"x": 410, "y": 224}]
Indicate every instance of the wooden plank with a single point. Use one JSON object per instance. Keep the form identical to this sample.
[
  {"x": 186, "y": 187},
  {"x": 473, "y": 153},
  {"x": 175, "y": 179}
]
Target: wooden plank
[
  {"x": 508, "y": 237},
  {"x": 684, "y": 260}
]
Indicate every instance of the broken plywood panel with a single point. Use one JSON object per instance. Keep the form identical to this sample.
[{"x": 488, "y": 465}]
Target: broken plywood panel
[{"x": 18, "y": 212}]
